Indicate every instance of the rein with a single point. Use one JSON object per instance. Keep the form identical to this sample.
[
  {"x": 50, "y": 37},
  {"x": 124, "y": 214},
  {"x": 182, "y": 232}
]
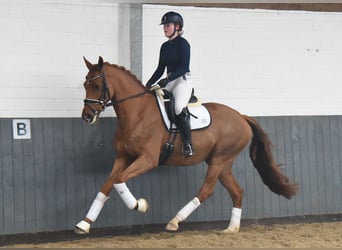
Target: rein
[
  {"x": 105, "y": 93},
  {"x": 127, "y": 98}
]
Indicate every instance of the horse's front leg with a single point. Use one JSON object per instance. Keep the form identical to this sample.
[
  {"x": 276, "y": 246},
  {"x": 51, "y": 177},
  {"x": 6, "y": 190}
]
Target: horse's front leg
[
  {"x": 117, "y": 179},
  {"x": 141, "y": 165},
  {"x": 83, "y": 227}
]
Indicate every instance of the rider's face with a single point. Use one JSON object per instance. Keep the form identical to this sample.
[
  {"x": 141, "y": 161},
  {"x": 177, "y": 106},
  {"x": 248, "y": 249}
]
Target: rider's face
[{"x": 169, "y": 30}]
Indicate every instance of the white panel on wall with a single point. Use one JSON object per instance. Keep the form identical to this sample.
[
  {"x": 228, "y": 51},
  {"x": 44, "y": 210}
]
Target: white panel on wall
[
  {"x": 260, "y": 62},
  {"x": 41, "y": 46}
]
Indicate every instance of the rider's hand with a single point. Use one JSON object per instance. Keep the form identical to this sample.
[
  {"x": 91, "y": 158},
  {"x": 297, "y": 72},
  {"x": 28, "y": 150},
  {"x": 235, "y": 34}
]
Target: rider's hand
[
  {"x": 153, "y": 86},
  {"x": 160, "y": 92},
  {"x": 156, "y": 88}
]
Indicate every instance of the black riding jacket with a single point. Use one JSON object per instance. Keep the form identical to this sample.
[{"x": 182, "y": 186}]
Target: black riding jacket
[{"x": 175, "y": 57}]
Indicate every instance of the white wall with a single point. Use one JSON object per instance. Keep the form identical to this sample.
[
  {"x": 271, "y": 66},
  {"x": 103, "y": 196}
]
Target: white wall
[
  {"x": 260, "y": 62},
  {"x": 257, "y": 61},
  {"x": 41, "y": 46}
]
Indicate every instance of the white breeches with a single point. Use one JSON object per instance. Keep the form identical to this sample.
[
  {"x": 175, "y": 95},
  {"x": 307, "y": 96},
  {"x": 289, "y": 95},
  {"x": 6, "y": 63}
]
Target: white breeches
[{"x": 181, "y": 89}]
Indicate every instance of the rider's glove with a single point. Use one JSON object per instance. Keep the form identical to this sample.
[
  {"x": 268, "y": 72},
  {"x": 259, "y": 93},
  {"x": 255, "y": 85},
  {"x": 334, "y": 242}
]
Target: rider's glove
[
  {"x": 153, "y": 87},
  {"x": 156, "y": 88}
]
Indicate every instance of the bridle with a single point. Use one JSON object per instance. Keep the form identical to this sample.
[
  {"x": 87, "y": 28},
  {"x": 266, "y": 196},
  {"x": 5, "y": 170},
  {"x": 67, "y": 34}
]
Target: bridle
[{"x": 105, "y": 100}]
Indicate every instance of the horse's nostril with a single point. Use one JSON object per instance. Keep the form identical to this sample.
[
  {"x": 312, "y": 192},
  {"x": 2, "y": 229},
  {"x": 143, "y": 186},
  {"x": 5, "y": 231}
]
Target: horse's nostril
[{"x": 87, "y": 118}]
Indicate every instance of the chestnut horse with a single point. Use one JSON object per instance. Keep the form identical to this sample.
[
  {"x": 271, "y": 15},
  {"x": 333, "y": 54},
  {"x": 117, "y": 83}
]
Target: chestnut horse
[{"x": 141, "y": 134}]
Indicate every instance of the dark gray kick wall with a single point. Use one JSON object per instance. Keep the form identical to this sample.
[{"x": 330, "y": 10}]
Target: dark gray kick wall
[{"x": 48, "y": 182}]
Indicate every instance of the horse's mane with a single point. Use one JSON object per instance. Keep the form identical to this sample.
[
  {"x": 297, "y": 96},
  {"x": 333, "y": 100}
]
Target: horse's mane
[{"x": 126, "y": 71}]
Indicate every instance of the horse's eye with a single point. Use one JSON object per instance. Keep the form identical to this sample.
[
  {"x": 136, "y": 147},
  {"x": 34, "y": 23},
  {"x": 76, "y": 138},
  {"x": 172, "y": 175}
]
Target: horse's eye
[{"x": 95, "y": 86}]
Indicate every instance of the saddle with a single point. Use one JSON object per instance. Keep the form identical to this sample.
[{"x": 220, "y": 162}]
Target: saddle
[
  {"x": 199, "y": 115},
  {"x": 169, "y": 102},
  {"x": 199, "y": 119}
]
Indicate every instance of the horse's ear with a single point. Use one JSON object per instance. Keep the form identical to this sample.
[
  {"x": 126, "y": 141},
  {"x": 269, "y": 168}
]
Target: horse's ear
[
  {"x": 100, "y": 63},
  {"x": 89, "y": 65}
]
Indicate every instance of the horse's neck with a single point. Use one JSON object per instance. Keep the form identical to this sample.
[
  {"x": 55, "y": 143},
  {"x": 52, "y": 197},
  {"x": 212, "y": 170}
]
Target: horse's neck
[
  {"x": 131, "y": 114},
  {"x": 129, "y": 108}
]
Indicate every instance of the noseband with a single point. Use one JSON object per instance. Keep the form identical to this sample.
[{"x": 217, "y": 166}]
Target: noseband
[{"x": 105, "y": 100}]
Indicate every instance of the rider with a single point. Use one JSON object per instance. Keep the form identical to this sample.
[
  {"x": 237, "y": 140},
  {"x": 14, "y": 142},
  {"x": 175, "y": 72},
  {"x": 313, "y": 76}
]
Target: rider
[{"x": 175, "y": 57}]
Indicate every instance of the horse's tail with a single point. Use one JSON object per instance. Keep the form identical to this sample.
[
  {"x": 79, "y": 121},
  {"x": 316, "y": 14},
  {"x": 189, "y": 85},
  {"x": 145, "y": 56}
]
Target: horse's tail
[{"x": 261, "y": 155}]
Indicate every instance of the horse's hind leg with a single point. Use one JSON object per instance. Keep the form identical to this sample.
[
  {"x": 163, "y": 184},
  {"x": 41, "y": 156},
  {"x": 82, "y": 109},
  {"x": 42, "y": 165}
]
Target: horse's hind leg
[
  {"x": 205, "y": 192},
  {"x": 236, "y": 193}
]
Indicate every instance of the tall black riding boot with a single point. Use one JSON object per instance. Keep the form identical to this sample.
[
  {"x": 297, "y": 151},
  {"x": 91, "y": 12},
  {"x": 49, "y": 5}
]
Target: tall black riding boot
[{"x": 183, "y": 124}]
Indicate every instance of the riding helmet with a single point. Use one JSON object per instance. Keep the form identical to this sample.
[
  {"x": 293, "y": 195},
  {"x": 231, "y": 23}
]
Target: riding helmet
[{"x": 172, "y": 17}]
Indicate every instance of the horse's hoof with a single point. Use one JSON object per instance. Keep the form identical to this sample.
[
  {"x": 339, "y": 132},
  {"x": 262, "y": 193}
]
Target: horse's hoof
[
  {"x": 170, "y": 227},
  {"x": 82, "y": 227},
  {"x": 79, "y": 231},
  {"x": 231, "y": 230},
  {"x": 173, "y": 225},
  {"x": 142, "y": 205}
]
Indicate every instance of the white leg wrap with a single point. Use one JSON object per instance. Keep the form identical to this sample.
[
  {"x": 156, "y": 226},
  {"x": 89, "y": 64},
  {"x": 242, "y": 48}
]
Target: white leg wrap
[
  {"x": 126, "y": 195},
  {"x": 234, "y": 224},
  {"x": 188, "y": 209},
  {"x": 97, "y": 206}
]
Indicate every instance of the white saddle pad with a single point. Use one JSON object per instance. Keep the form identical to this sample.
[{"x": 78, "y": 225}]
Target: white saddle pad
[{"x": 201, "y": 120}]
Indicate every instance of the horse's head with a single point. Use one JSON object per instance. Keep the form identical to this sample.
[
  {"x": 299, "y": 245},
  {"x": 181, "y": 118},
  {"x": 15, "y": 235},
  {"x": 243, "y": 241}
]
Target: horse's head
[{"x": 97, "y": 92}]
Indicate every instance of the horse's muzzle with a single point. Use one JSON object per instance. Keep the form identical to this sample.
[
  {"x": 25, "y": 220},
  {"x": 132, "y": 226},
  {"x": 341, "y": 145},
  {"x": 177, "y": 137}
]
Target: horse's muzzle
[{"x": 89, "y": 118}]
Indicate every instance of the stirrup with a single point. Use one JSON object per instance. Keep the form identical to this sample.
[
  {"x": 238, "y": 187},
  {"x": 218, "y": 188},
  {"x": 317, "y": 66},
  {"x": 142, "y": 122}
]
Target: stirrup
[{"x": 187, "y": 150}]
